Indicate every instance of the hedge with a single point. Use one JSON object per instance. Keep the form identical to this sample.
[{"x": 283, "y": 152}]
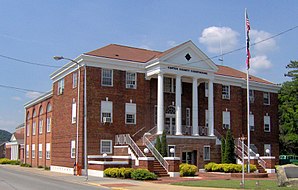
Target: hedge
[
  {"x": 143, "y": 174},
  {"x": 187, "y": 169},
  {"x": 227, "y": 168},
  {"x": 138, "y": 174},
  {"x": 11, "y": 162}
]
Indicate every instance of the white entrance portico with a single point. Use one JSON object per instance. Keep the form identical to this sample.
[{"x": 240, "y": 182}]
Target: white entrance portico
[{"x": 184, "y": 63}]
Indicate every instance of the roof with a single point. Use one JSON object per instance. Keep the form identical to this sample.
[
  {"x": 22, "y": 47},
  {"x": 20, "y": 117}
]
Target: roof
[{"x": 126, "y": 53}]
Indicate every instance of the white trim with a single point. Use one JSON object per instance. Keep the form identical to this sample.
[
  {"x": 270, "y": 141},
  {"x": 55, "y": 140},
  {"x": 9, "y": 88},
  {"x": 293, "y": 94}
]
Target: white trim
[
  {"x": 39, "y": 99},
  {"x": 107, "y": 162},
  {"x": 174, "y": 174},
  {"x": 172, "y": 158},
  {"x": 146, "y": 158},
  {"x": 112, "y": 77},
  {"x": 111, "y": 145},
  {"x": 61, "y": 169},
  {"x": 96, "y": 173},
  {"x": 190, "y": 137},
  {"x": 270, "y": 171},
  {"x": 117, "y": 157}
]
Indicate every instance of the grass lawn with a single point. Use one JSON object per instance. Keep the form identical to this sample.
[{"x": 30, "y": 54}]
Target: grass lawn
[{"x": 235, "y": 184}]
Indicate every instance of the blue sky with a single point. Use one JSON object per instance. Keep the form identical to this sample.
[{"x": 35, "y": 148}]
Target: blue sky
[{"x": 35, "y": 31}]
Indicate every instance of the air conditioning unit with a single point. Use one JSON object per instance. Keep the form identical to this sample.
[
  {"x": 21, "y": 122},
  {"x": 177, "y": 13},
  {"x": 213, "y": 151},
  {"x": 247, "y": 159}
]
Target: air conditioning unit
[
  {"x": 106, "y": 120},
  {"x": 225, "y": 96},
  {"x": 130, "y": 86},
  {"x": 74, "y": 119},
  {"x": 60, "y": 91},
  {"x": 225, "y": 126}
]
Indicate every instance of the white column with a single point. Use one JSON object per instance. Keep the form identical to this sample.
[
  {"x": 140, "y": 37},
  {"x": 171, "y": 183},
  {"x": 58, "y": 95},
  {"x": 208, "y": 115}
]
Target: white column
[
  {"x": 178, "y": 106},
  {"x": 210, "y": 109},
  {"x": 195, "y": 112},
  {"x": 160, "y": 111}
]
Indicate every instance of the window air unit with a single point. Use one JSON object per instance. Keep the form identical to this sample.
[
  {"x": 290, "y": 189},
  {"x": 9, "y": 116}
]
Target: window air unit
[
  {"x": 106, "y": 120},
  {"x": 225, "y": 96},
  {"x": 130, "y": 86}
]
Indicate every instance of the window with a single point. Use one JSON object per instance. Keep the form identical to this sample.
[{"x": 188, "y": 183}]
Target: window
[
  {"x": 206, "y": 118},
  {"x": 169, "y": 150},
  {"x": 48, "y": 124},
  {"x": 106, "y": 111},
  {"x": 226, "y": 120},
  {"x": 155, "y": 115},
  {"x": 187, "y": 116},
  {"x": 33, "y": 150},
  {"x": 40, "y": 126},
  {"x": 267, "y": 123},
  {"x": 28, "y": 130},
  {"x": 74, "y": 80},
  {"x": 27, "y": 151},
  {"x": 73, "y": 111},
  {"x": 39, "y": 150},
  {"x": 107, "y": 77},
  {"x": 206, "y": 89},
  {"x": 106, "y": 146},
  {"x": 251, "y": 96},
  {"x": 266, "y": 98},
  {"x": 169, "y": 85},
  {"x": 206, "y": 152},
  {"x": 49, "y": 107},
  {"x": 251, "y": 122},
  {"x": 48, "y": 151},
  {"x": 34, "y": 113},
  {"x": 60, "y": 86},
  {"x": 40, "y": 111},
  {"x": 131, "y": 80},
  {"x": 73, "y": 149},
  {"x": 33, "y": 128},
  {"x": 130, "y": 113},
  {"x": 268, "y": 148},
  {"x": 225, "y": 92}
]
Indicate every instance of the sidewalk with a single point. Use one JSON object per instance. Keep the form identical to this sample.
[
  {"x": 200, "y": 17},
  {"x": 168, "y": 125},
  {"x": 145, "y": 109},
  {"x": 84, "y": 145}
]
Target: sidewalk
[{"x": 118, "y": 184}]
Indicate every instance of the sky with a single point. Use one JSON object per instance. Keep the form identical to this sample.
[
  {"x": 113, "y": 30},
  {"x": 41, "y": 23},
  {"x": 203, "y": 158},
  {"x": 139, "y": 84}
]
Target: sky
[{"x": 34, "y": 31}]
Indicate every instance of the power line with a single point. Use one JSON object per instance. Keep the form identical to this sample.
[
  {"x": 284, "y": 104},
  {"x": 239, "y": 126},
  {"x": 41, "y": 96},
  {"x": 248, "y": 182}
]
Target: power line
[{"x": 19, "y": 89}]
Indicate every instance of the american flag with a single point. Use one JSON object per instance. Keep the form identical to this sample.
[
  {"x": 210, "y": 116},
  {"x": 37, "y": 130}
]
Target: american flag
[{"x": 247, "y": 39}]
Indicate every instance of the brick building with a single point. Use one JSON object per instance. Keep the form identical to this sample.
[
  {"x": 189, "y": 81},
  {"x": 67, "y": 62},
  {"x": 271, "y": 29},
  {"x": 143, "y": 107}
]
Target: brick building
[{"x": 136, "y": 91}]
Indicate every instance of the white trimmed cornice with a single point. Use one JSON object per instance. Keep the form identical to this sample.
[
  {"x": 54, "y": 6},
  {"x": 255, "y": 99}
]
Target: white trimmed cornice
[{"x": 39, "y": 99}]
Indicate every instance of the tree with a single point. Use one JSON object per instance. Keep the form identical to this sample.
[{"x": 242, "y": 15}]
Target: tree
[
  {"x": 223, "y": 146},
  {"x": 164, "y": 144},
  {"x": 158, "y": 144},
  {"x": 288, "y": 112},
  {"x": 229, "y": 155}
]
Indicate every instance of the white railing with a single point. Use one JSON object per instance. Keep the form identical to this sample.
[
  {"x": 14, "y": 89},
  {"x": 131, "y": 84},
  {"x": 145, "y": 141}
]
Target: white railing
[
  {"x": 138, "y": 131},
  {"x": 126, "y": 139},
  {"x": 156, "y": 154}
]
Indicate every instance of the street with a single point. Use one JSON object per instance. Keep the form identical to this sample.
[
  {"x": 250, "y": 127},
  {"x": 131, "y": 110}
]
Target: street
[{"x": 22, "y": 179}]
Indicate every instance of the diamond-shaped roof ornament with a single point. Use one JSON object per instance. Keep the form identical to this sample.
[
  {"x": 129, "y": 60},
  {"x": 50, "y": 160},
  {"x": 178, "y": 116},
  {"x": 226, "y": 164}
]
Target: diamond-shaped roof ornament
[{"x": 187, "y": 57}]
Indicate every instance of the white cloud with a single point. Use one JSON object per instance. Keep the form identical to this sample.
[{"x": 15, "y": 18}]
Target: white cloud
[
  {"x": 8, "y": 125},
  {"x": 33, "y": 95},
  {"x": 259, "y": 63},
  {"x": 171, "y": 43},
  {"x": 265, "y": 46},
  {"x": 16, "y": 98},
  {"x": 214, "y": 37}
]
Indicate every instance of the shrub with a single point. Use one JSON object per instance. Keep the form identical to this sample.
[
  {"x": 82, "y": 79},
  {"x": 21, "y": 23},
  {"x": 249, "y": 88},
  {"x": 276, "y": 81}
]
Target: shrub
[
  {"x": 112, "y": 172},
  {"x": 143, "y": 174},
  {"x": 7, "y": 161},
  {"x": 227, "y": 168},
  {"x": 208, "y": 167},
  {"x": 47, "y": 168},
  {"x": 187, "y": 169},
  {"x": 25, "y": 165},
  {"x": 125, "y": 172},
  {"x": 39, "y": 166}
]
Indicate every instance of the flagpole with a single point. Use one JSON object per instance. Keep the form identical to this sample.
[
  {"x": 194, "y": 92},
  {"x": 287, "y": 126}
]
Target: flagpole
[{"x": 247, "y": 92}]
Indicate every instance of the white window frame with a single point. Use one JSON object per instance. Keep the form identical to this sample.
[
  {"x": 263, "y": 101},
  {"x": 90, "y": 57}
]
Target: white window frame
[
  {"x": 48, "y": 151},
  {"x": 72, "y": 149},
  {"x": 60, "y": 86},
  {"x": 266, "y": 96},
  {"x": 33, "y": 127},
  {"x": 110, "y": 151},
  {"x": 251, "y": 96},
  {"x": 40, "y": 126},
  {"x": 169, "y": 85},
  {"x": 206, "y": 89},
  {"x": 206, "y": 155},
  {"x": 74, "y": 80},
  {"x": 73, "y": 111},
  {"x": 226, "y": 120},
  {"x": 130, "y": 110},
  {"x": 187, "y": 116},
  {"x": 28, "y": 130},
  {"x": 267, "y": 122},
  {"x": 33, "y": 150},
  {"x": 105, "y": 78},
  {"x": 27, "y": 150},
  {"x": 49, "y": 122},
  {"x": 106, "y": 111},
  {"x": 226, "y": 92},
  {"x": 267, "y": 146},
  {"x": 39, "y": 150},
  {"x": 131, "y": 80},
  {"x": 251, "y": 122}
]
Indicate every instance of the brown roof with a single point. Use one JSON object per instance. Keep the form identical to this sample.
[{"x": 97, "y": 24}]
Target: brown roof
[{"x": 120, "y": 52}]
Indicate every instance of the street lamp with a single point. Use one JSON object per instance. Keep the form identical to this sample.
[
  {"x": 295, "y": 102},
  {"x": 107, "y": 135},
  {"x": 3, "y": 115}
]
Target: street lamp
[
  {"x": 172, "y": 151},
  {"x": 146, "y": 151},
  {"x": 267, "y": 152},
  {"x": 57, "y": 58}
]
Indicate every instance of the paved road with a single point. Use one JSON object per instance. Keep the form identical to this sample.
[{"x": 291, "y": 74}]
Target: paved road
[{"x": 11, "y": 179}]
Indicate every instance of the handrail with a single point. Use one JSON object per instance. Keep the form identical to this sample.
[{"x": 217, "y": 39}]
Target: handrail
[
  {"x": 138, "y": 131},
  {"x": 156, "y": 154},
  {"x": 126, "y": 139}
]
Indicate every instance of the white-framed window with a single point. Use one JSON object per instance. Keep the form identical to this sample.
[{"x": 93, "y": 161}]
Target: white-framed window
[
  {"x": 39, "y": 150},
  {"x": 251, "y": 96},
  {"x": 252, "y": 122},
  {"x": 130, "y": 113},
  {"x": 267, "y": 146},
  {"x": 106, "y": 146},
  {"x": 60, "y": 86},
  {"x": 106, "y": 111},
  {"x": 48, "y": 151},
  {"x": 107, "y": 77},
  {"x": 206, "y": 89},
  {"x": 169, "y": 150},
  {"x": 226, "y": 92},
  {"x": 28, "y": 130},
  {"x": 169, "y": 85},
  {"x": 72, "y": 149},
  {"x": 187, "y": 116},
  {"x": 267, "y": 123},
  {"x": 74, "y": 80},
  {"x": 226, "y": 124},
  {"x": 40, "y": 126},
  {"x": 155, "y": 115},
  {"x": 74, "y": 111},
  {"x": 27, "y": 150},
  {"x": 49, "y": 120},
  {"x": 206, "y": 152},
  {"x": 266, "y": 98},
  {"x": 33, "y": 150},
  {"x": 206, "y": 118},
  {"x": 33, "y": 128},
  {"x": 131, "y": 80}
]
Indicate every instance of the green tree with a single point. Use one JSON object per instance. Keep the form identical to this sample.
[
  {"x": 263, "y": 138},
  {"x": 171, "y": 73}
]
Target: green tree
[
  {"x": 158, "y": 144},
  {"x": 288, "y": 112},
  {"x": 164, "y": 144},
  {"x": 229, "y": 155},
  {"x": 223, "y": 146}
]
